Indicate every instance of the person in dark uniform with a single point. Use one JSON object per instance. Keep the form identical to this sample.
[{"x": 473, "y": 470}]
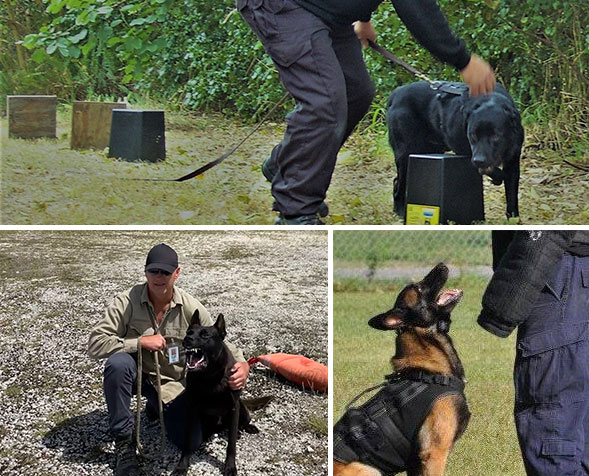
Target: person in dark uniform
[
  {"x": 316, "y": 47},
  {"x": 541, "y": 286}
]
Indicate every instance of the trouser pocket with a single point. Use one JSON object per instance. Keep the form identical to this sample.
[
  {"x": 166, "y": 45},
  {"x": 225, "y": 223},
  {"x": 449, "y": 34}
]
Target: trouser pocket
[{"x": 551, "y": 366}]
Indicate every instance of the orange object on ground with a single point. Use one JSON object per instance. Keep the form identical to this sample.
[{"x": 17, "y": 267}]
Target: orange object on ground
[{"x": 296, "y": 368}]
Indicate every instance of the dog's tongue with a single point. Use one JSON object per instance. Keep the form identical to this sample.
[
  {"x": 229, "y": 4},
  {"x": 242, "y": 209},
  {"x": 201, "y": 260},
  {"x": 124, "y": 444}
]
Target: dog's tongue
[
  {"x": 448, "y": 296},
  {"x": 194, "y": 359}
]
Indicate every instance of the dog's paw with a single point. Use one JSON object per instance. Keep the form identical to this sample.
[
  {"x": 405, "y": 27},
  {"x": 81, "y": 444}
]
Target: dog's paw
[
  {"x": 180, "y": 470},
  {"x": 230, "y": 470},
  {"x": 249, "y": 428}
]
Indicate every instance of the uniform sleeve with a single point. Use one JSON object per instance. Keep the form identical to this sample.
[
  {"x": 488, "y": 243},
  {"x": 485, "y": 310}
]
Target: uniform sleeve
[
  {"x": 108, "y": 336},
  {"x": 520, "y": 277},
  {"x": 428, "y": 25}
]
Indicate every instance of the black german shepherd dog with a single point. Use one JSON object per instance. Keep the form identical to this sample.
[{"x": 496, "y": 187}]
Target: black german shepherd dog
[
  {"x": 413, "y": 422},
  {"x": 208, "y": 368}
]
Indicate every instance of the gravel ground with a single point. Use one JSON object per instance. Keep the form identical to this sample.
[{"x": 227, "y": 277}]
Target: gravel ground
[{"x": 271, "y": 286}]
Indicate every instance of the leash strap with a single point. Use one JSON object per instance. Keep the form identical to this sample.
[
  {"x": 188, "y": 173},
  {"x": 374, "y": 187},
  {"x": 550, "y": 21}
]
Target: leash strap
[
  {"x": 391, "y": 57},
  {"x": 139, "y": 385},
  {"x": 364, "y": 392},
  {"x": 455, "y": 89},
  {"x": 159, "y": 400},
  {"x": 217, "y": 161}
]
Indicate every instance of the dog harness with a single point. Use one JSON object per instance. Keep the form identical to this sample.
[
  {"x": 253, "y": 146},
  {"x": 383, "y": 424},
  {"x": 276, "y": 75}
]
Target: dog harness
[{"x": 382, "y": 432}]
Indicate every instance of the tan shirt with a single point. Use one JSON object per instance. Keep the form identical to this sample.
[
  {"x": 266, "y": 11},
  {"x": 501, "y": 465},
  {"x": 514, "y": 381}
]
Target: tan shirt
[{"x": 132, "y": 315}]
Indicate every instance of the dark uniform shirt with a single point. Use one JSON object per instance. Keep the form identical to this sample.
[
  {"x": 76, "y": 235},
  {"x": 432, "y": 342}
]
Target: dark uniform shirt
[{"x": 423, "y": 18}]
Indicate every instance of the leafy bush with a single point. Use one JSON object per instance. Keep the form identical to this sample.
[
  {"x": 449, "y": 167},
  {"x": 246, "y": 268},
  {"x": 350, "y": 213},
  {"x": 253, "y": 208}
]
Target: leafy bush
[{"x": 201, "y": 54}]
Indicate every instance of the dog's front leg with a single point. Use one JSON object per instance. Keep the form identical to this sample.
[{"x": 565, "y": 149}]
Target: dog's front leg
[
  {"x": 182, "y": 466},
  {"x": 511, "y": 180},
  {"x": 230, "y": 468}
]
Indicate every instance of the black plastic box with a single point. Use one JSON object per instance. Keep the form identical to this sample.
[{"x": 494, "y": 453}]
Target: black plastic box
[
  {"x": 443, "y": 188},
  {"x": 137, "y": 135}
]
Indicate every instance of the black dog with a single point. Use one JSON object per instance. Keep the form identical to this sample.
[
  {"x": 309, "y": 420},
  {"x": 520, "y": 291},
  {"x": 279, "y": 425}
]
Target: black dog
[
  {"x": 208, "y": 368},
  {"x": 424, "y": 120},
  {"x": 413, "y": 422}
]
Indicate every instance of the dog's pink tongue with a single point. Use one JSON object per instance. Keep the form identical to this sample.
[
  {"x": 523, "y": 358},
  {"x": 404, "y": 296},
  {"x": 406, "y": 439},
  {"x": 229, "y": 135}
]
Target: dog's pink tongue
[{"x": 448, "y": 296}]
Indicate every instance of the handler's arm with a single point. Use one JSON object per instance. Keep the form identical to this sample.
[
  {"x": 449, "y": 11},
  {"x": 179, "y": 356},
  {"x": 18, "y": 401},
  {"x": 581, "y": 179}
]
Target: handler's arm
[
  {"x": 520, "y": 277},
  {"x": 429, "y": 27},
  {"x": 108, "y": 336}
]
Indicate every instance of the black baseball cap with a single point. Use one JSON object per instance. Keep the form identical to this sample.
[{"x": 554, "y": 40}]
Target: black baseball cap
[{"x": 162, "y": 257}]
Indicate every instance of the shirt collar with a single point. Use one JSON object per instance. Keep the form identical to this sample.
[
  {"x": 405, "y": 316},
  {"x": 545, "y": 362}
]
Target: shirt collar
[{"x": 173, "y": 303}]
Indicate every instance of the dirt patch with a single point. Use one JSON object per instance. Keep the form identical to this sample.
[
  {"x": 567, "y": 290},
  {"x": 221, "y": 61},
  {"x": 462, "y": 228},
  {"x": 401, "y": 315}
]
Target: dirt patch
[{"x": 271, "y": 287}]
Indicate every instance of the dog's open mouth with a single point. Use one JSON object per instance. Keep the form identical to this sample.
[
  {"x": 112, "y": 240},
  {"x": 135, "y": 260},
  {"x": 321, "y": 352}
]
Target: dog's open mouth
[
  {"x": 195, "y": 359},
  {"x": 449, "y": 296}
]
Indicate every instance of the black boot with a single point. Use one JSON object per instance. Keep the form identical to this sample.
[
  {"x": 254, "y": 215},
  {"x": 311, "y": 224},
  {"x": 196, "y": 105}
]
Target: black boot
[
  {"x": 126, "y": 464},
  {"x": 270, "y": 169}
]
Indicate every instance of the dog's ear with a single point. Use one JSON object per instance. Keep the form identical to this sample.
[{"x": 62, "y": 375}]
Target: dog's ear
[
  {"x": 387, "y": 321},
  {"x": 195, "y": 321},
  {"x": 220, "y": 326}
]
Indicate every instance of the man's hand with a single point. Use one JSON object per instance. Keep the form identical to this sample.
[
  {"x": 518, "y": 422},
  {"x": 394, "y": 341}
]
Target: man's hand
[
  {"x": 153, "y": 343},
  {"x": 479, "y": 76},
  {"x": 240, "y": 371},
  {"x": 364, "y": 31}
]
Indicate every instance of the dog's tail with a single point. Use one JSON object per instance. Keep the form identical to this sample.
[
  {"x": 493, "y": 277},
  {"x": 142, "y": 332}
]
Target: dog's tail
[{"x": 254, "y": 404}]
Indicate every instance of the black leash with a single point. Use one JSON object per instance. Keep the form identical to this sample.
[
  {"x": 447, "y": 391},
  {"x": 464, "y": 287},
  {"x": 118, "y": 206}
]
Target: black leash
[
  {"x": 217, "y": 161},
  {"x": 456, "y": 89},
  {"x": 391, "y": 57}
]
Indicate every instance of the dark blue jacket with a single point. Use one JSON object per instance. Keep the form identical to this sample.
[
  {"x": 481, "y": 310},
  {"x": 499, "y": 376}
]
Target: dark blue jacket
[{"x": 423, "y": 19}]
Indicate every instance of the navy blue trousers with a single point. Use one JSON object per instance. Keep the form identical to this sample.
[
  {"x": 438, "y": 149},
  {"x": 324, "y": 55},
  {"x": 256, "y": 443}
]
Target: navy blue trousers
[
  {"x": 120, "y": 378},
  {"x": 551, "y": 375},
  {"x": 323, "y": 69}
]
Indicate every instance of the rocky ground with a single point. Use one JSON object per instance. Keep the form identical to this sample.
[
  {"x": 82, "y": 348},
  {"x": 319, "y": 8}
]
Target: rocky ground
[{"x": 54, "y": 286}]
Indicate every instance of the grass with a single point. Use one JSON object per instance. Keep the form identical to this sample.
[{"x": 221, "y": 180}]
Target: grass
[
  {"x": 45, "y": 182},
  {"x": 361, "y": 358}
]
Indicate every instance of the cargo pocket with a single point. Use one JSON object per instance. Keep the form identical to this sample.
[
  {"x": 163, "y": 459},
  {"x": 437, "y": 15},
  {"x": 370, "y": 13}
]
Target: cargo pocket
[
  {"x": 559, "y": 448},
  {"x": 551, "y": 366},
  {"x": 286, "y": 53},
  {"x": 560, "y": 455}
]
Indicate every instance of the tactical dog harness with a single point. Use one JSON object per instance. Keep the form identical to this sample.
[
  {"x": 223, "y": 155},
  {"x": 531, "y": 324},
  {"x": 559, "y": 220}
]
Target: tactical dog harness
[{"x": 381, "y": 432}]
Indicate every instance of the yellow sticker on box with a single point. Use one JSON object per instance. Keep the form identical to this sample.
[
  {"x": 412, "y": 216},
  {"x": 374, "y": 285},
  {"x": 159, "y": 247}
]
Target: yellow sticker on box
[{"x": 422, "y": 214}]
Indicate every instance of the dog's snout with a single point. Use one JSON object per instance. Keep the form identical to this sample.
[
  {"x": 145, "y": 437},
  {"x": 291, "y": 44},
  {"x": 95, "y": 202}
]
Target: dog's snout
[{"x": 478, "y": 161}]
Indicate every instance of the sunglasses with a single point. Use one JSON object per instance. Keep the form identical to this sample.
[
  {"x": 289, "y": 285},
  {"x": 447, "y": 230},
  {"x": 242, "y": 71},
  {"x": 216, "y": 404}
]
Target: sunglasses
[{"x": 155, "y": 272}]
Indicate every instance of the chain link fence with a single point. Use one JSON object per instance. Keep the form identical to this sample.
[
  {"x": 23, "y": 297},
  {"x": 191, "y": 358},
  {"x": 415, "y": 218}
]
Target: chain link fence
[{"x": 385, "y": 255}]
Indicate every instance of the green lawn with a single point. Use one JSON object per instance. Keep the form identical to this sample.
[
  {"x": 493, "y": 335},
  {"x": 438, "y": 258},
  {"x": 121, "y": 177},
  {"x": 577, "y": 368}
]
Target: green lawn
[{"x": 361, "y": 359}]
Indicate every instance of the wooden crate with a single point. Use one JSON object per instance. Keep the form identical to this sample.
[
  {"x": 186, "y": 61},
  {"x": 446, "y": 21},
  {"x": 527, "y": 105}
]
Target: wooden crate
[
  {"x": 91, "y": 123},
  {"x": 30, "y": 117}
]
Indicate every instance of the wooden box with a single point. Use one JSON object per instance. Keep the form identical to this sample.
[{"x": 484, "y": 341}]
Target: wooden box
[
  {"x": 30, "y": 117},
  {"x": 91, "y": 123}
]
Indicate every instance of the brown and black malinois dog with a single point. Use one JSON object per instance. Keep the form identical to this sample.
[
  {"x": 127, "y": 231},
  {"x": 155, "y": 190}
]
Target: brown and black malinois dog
[
  {"x": 412, "y": 423},
  {"x": 211, "y": 401}
]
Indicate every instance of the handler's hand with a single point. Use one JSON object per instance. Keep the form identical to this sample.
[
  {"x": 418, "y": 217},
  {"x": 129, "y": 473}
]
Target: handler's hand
[
  {"x": 479, "y": 76},
  {"x": 364, "y": 31},
  {"x": 240, "y": 371},
  {"x": 153, "y": 343}
]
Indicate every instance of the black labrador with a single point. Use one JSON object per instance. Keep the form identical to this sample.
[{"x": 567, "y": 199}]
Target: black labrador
[
  {"x": 208, "y": 368},
  {"x": 425, "y": 120}
]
